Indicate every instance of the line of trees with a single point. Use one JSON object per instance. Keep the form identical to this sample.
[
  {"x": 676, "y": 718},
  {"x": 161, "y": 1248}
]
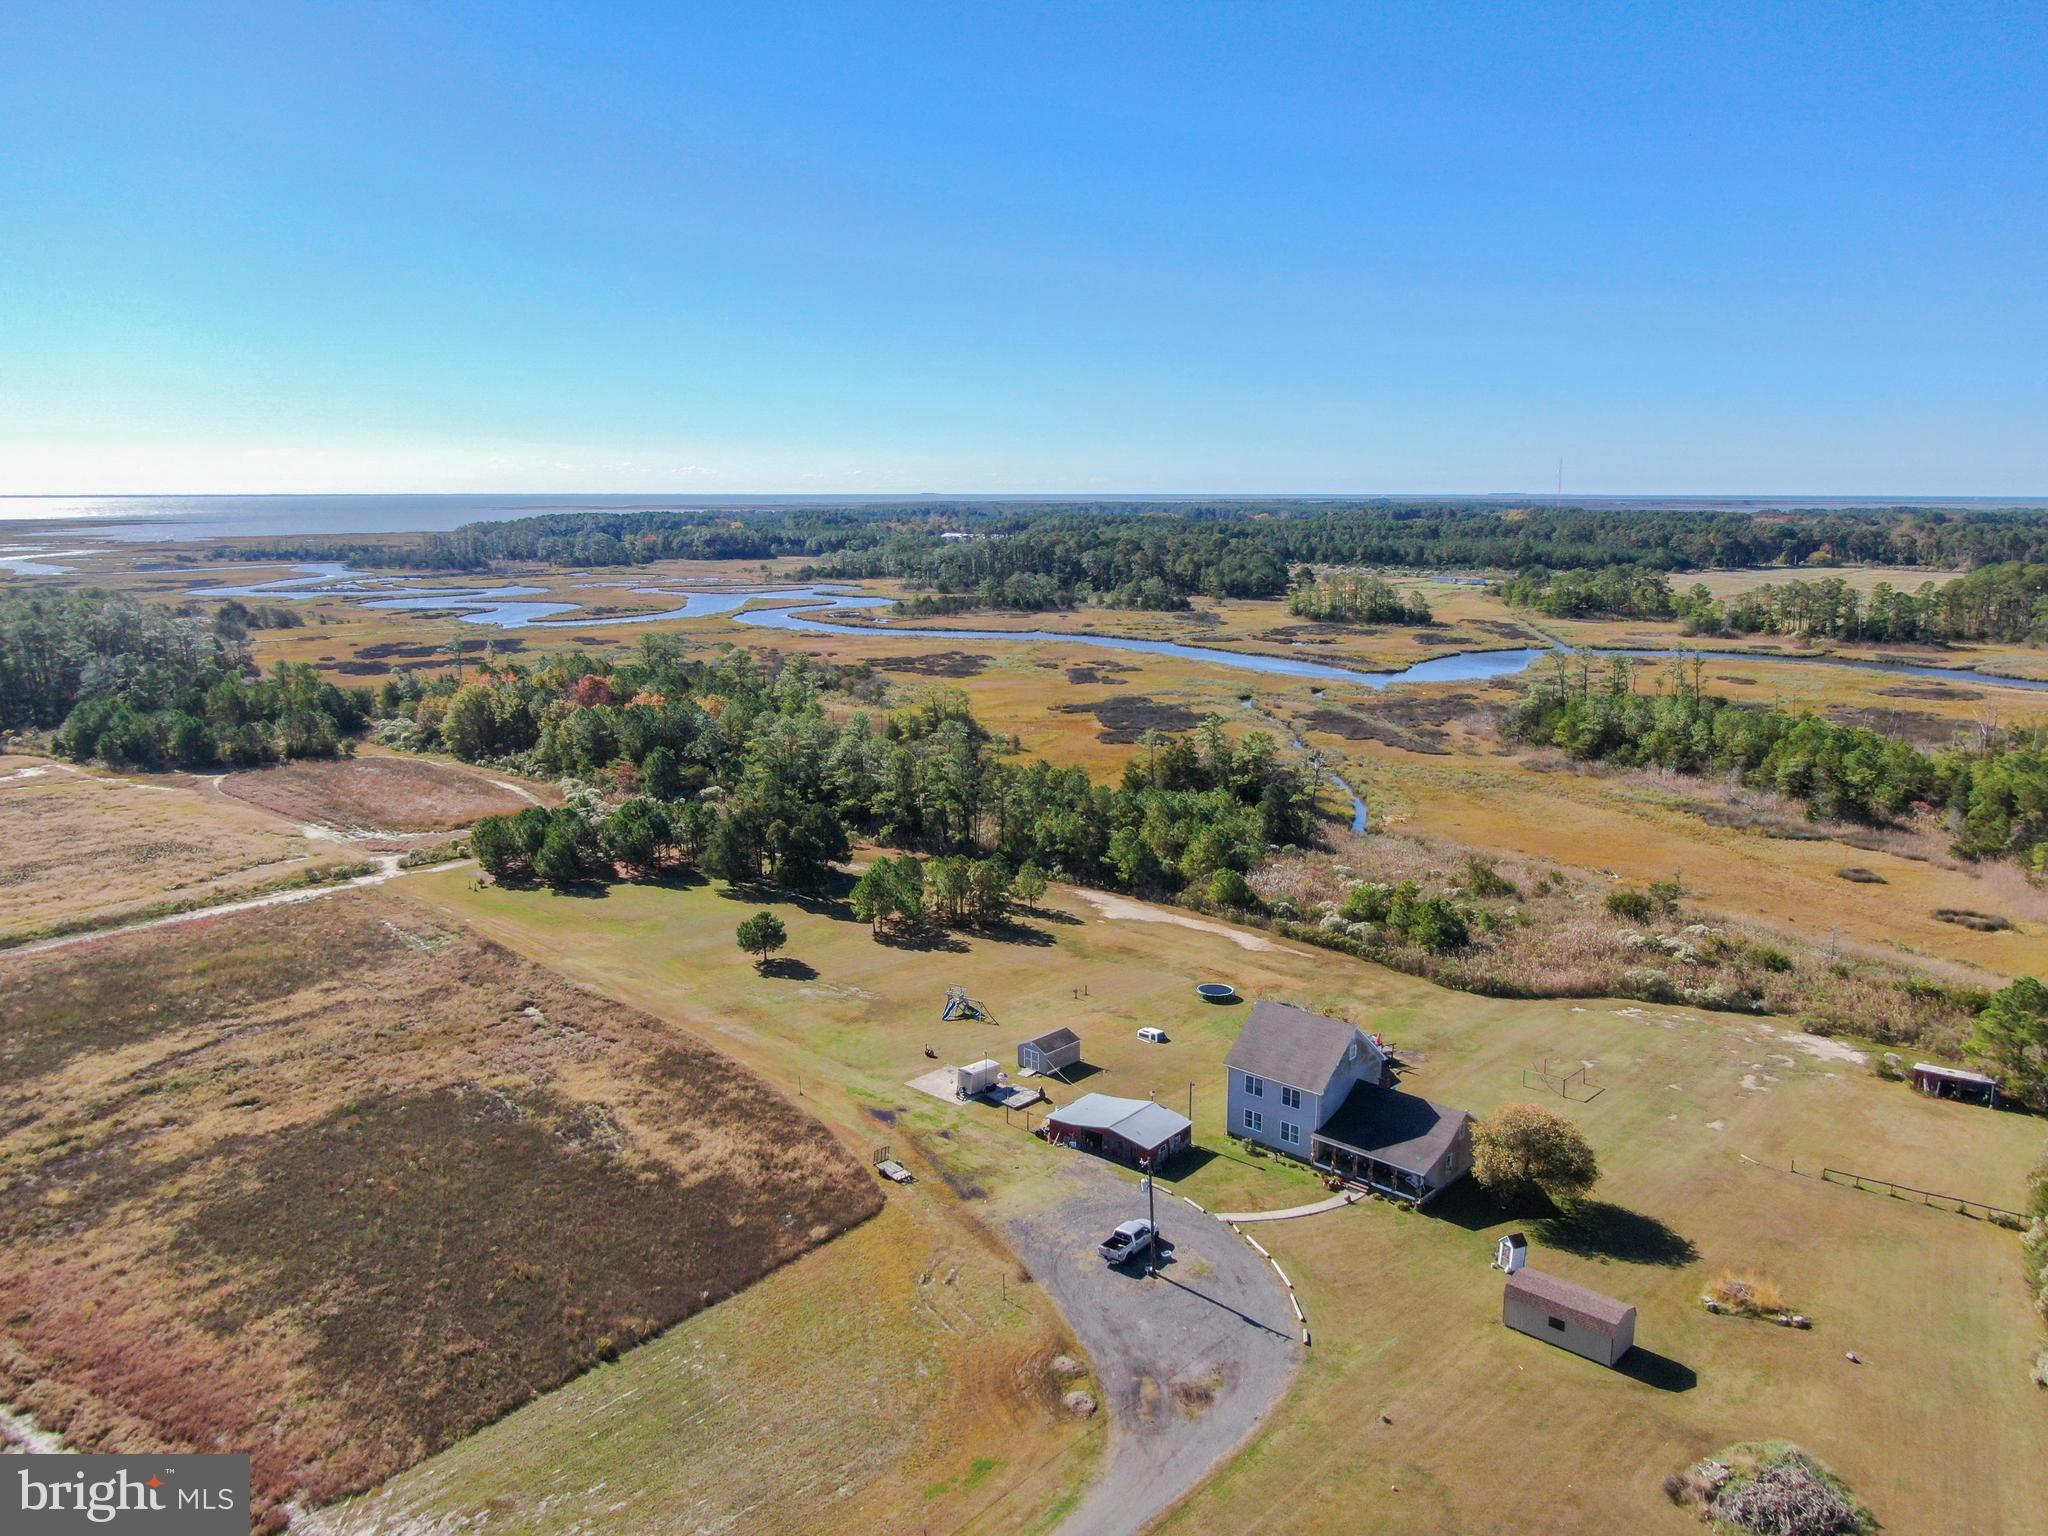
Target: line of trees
[
  {"x": 1996, "y": 794},
  {"x": 1237, "y": 548},
  {"x": 1350, "y": 597},
  {"x": 745, "y": 773},
  {"x": 137, "y": 685},
  {"x": 1615, "y": 591},
  {"x": 2005, "y": 602}
]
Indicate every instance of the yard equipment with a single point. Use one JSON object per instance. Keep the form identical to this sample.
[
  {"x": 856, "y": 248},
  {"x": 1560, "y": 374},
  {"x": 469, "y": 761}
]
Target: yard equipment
[
  {"x": 892, "y": 1170},
  {"x": 960, "y": 1006}
]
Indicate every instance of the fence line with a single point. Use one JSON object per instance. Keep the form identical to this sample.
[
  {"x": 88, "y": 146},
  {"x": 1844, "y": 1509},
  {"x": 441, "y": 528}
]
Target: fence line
[{"x": 1927, "y": 1196}]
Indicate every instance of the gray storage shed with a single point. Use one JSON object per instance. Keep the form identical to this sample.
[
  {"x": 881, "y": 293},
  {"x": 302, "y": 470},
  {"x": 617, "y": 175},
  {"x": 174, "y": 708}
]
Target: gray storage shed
[
  {"x": 1050, "y": 1052},
  {"x": 1569, "y": 1316}
]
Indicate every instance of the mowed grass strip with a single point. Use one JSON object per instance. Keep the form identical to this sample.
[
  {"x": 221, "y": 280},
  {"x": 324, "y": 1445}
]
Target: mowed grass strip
[{"x": 341, "y": 1184}]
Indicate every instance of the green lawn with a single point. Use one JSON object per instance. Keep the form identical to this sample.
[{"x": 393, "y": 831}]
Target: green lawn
[{"x": 1939, "y": 1430}]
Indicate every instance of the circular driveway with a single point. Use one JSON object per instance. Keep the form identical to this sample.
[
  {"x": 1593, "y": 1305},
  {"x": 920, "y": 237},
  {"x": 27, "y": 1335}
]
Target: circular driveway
[{"x": 1189, "y": 1361}]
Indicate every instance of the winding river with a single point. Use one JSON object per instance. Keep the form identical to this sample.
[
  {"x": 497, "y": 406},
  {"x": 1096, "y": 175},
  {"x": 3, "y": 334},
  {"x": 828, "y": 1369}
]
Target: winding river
[{"x": 812, "y": 609}]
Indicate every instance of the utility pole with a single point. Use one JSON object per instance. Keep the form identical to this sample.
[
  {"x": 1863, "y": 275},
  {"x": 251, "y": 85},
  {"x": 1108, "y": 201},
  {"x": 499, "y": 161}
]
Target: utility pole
[{"x": 1152, "y": 1219}]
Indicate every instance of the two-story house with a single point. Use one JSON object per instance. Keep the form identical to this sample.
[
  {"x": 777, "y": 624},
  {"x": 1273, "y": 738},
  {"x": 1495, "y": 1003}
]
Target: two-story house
[{"x": 1317, "y": 1088}]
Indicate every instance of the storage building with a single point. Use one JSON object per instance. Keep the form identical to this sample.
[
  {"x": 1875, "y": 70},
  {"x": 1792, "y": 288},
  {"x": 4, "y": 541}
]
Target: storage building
[
  {"x": 1136, "y": 1131},
  {"x": 1051, "y": 1052},
  {"x": 1569, "y": 1316}
]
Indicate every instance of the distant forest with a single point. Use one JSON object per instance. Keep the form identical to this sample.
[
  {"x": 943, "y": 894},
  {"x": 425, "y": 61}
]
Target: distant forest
[
  {"x": 1127, "y": 554},
  {"x": 2007, "y": 602}
]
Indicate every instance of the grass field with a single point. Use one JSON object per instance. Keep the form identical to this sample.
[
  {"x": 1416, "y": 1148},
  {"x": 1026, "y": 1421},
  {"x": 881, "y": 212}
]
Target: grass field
[
  {"x": 341, "y": 1184},
  {"x": 85, "y": 845},
  {"x": 368, "y": 794},
  {"x": 1697, "y": 1124}
]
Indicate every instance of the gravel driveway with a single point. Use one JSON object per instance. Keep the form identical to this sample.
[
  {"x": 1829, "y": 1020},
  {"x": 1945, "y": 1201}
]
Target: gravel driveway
[{"x": 1189, "y": 1362}]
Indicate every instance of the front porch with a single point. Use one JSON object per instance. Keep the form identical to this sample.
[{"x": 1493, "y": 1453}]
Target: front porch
[{"x": 1356, "y": 1167}]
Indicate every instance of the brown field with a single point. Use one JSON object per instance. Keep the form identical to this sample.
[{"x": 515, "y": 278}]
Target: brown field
[
  {"x": 371, "y": 794},
  {"x": 342, "y": 1183},
  {"x": 86, "y": 846}
]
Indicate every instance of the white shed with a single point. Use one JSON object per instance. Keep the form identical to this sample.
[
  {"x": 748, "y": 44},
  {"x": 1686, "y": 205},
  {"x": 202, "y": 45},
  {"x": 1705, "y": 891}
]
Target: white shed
[{"x": 976, "y": 1078}]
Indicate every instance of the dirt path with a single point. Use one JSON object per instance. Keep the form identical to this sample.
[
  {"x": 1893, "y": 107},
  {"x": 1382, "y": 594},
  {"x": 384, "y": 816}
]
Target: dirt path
[
  {"x": 1124, "y": 909},
  {"x": 1189, "y": 1362},
  {"x": 387, "y": 869}
]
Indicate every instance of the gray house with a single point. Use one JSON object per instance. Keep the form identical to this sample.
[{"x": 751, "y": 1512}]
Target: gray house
[
  {"x": 1315, "y": 1088},
  {"x": 1290, "y": 1070},
  {"x": 1569, "y": 1316}
]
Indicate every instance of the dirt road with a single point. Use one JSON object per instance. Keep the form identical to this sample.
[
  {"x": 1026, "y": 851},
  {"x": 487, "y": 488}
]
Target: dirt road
[{"x": 1189, "y": 1361}]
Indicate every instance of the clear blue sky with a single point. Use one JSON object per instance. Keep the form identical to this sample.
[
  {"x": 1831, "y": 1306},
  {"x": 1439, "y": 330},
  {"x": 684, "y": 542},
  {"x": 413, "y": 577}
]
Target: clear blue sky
[{"x": 1118, "y": 247}]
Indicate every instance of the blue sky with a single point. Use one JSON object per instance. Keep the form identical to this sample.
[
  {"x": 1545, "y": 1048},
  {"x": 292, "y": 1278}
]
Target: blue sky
[{"x": 283, "y": 246}]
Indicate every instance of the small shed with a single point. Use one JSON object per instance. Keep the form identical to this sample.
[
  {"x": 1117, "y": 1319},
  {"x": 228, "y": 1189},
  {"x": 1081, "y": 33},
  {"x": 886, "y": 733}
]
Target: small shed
[
  {"x": 1512, "y": 1253},
  {"x": 1955, "y": 1083},
  {"x": 1136, "y": 1131},
  {"x": 1569, "y": 1316},
  {"x": 976, "y": 1078},
  {"x": 1050, "y": 1052}
]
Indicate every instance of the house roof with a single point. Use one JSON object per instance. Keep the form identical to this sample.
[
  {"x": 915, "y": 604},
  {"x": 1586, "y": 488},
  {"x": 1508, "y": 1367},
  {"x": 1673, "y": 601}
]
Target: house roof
[
  {"x": 1138, "y": 1121},
  {"x": 1603, "y": 1314},
  {"x": 1055, "y": 1040},
  {"x": 1402, "y": 1129},
  {"x": 1291, "y": 1046}
]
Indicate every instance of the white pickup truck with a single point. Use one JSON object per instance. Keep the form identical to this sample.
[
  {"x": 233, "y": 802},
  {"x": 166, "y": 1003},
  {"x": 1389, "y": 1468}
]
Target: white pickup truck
[{"x": 1127, "y": 1241}]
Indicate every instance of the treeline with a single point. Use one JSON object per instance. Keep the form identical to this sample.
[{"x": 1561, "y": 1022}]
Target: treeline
[
  {"x": 146, "y": 687},
  {"x": 2005, "y": 602},
  {"x": 1352, "y": 598},
  {"x": 1996, "y": 796},
  {"x": 1615, "y": 591},
  {"x": 746, "y": 774},
  {"x": 1236, "y": 548}
]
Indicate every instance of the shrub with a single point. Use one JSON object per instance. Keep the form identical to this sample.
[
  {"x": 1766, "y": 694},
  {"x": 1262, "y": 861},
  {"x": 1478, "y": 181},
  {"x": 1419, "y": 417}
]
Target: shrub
[
  {"x": 1483, "y": 880},
  {"x": 1633, "y": 905},
  {"x": 1767, "y": 957},
  {"x": 1227, "y": 888},
  {"x": 1746, "y": 1293}
]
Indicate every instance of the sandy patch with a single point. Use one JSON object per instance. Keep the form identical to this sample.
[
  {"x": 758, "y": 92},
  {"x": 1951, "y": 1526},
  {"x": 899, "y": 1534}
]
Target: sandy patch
[
  {"x": 1143, "y": 912},
  {"x": 1822, "y": 1047}
]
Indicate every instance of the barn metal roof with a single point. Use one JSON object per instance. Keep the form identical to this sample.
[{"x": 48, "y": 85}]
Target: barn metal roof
[
  {"x": 1603, "y": 1314},
  {"x": 1138, "y": 1121},
  {"x": 1958, "y": 1074}
]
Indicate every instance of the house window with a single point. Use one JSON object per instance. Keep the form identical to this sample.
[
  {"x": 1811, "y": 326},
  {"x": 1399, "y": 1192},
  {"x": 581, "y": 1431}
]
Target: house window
[
  {"x": 1290, "y": 1098},
  {"x": 1255, "y": 1086},
  {"x": 1557, "y": 1323},
  {"x": 1254, "y": 1121},
  {"x": 1290, "y": 1133}
]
